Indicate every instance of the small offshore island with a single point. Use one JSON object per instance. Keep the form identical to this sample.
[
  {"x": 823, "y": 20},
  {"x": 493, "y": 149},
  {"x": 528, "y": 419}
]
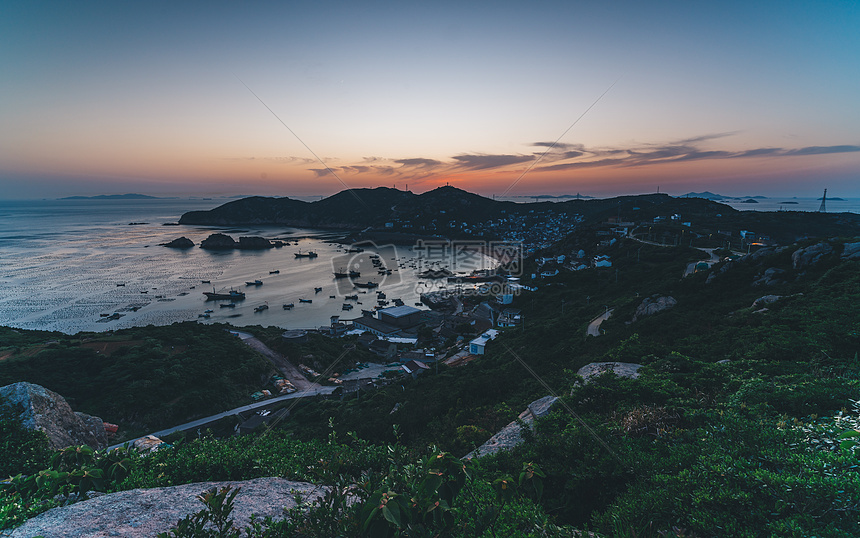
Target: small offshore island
[{"x": 643, "y": 362}]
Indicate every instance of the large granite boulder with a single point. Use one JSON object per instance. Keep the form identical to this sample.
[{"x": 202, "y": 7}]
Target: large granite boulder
[
  {"x": 654, "y": 305},
  {"x": 511, "y": 435},
  {"x": 182, "y": 242},
  {"x": 621, "y": 369},
  {"x": 851, "y": 251},
  {"x": 219, "y": 242},
  {"x": 147, "y": 512},
  {"x": 41, "y": 409},
  {"x": 805, "y": 257}
]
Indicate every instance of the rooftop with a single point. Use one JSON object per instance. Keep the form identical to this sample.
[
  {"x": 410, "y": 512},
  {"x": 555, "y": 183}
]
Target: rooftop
[{"x": 399, "y": 311}]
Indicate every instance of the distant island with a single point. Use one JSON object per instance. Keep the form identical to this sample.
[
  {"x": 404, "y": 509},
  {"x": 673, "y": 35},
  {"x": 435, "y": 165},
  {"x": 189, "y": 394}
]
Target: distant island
[
  {"x": 129, "y": 196},
  {"x": 707, "y": 195}
]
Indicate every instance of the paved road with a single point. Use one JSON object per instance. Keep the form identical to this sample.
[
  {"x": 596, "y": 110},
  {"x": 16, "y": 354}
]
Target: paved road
[
  {"x": 594, "y": 326},
  {"x": 305, "y": 389},
  {"x": 250, "y": 407},
  {"x": 281, "y": 363}
]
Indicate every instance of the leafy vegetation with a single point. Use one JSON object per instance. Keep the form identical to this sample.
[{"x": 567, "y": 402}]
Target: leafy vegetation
[
  {"x": 736, "y": 425},
  {"x": 143, "y": 378}
]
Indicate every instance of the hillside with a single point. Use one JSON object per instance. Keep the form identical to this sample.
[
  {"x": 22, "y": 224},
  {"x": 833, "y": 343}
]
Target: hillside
[
  {"x": 431, "y": 212},
  {"x": 732, "y": 427}
]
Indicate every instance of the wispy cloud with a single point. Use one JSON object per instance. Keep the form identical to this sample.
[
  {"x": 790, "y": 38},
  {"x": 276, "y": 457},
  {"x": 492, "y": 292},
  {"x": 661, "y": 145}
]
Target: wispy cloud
[
  {"x": 569, "y": 156},
  {"x": 484, "y": 162}
]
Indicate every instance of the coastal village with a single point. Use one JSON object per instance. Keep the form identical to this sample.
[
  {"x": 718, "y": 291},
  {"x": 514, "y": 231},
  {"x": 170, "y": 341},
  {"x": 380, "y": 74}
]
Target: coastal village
[{"x": 464, "y": 317}]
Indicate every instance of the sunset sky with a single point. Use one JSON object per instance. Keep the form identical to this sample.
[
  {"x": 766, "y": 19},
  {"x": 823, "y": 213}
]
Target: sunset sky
[{"x": 738, "y": 98}]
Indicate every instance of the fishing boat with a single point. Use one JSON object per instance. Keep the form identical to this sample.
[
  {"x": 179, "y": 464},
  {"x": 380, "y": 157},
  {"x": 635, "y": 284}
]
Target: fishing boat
[
  {"x": 346, "y": 306},
  {"x": 306, "y": 300},
  {"x": 228, "y": 305},
  {"x": 257, "y": 282},
  {"x": 205, "y": 281},
  {"x": 367, "y": 284},
  {"x": 342, "y": 273},
  {"x": 308, "y": 254},
  {"x": 288, "y": 306},
  {"x": 275, "y": 272},
  {"x": 261, "y": 308},
  {"x": 233, "y": 295},
  {"x": 351, "y": 297},
  {"x": 317, "y": 290}
]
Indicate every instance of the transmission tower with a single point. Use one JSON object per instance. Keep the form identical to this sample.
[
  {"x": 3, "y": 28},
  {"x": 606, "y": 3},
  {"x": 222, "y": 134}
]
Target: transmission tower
[{"x": 821, "y": 208}]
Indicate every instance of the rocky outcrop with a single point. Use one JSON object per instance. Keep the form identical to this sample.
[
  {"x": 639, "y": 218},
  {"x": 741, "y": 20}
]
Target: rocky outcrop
[
  {"x": 653, "y": 305},
  {"x": 147, "y": 512},
  {"x": 147, "y": 444},
  {"x": 851, "y": 251},
  {"x": 41, "y": 409},
  {"x": 225, "y": 242},
  {"x": 254, "y": 243},
  {"x": 182, "y": 242},
  {"x": 765, "y": 300},
  {"x": 805, "y": 257},
  {"x": 621, "y": 369},
  {"x": 511, "y": 435},
  {"x": 218, "y": 242},
  {"x": 771, "y": 277}
]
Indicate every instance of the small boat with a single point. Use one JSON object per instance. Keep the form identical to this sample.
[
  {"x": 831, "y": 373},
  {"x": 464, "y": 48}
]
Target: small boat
[
  {"x": 257, "y": 282},
  {"x": 332, "y": 297},
  {"x": 346, "y": 306},
  {"x": 308, "y": 254},
  {"x": 398, "y": 302},
  {"x": 380, "y": 295},
  {"x": 261, "y": 308},
  {"x": 228, "y": 305},
  {"x": 288, "y": 306},
  {"x": 144, "y": 291},
  {"x": 351, "y": 297},
  {"x": 203, "y": 315},
  {"x": 233, "y": 295},
  {"x": 317, "y": 290},
  {"x": 205, "y": 281},
  {"x": 366, "y": 312},
  {"x": 367, "y": 284},
  {"x": 306, "y": 300},
  {"x": 275, "y": 272},
  {"x": 419, "y": 304},
  {"x": 208, "y": 311},
  {"x": 120, "y": 284}
]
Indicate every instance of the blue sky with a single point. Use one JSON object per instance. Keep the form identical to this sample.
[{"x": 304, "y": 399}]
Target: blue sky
[{"x": 732, "y": 97}]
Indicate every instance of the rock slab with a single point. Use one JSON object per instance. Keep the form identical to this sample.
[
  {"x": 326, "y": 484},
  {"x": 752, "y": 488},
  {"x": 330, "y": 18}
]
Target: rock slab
[
  {"x": 41, "y": 409},
  {"x": 654, "y": 305},
  {"x": 146, "y": 512}
]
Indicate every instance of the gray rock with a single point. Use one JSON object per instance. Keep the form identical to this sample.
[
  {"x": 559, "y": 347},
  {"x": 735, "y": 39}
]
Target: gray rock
[
  {"x": 771, "y": 277},
  {"x": 511, "y": 435},
  {"x": 41, "y": 409},
  {"x": 767, "y": 299},
  {"x": 621, "y": 369},
  {"x": 654, "y": 305},
  {"x": 541, "y": 407},
  {"x": 146, "y": 512},
  {"x": 182, "y": 242},
  {"x": 851, "y": 251},
  {"x": 805, "y": 257}
]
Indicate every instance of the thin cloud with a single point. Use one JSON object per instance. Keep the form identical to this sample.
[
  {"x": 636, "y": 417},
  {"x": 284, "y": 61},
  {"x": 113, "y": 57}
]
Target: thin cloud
[
  {"x": 484, "y": 162},
  {"x": 822, "y": 150},
  {"x": 419, "y": 162}
]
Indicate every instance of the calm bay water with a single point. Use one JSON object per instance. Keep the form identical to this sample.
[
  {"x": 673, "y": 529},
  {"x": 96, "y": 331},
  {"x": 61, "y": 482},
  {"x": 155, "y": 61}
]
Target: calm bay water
[{"x": 65, "y": 263}]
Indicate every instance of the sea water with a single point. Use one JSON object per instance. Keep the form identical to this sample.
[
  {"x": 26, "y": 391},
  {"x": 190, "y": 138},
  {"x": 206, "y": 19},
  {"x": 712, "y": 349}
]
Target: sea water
[{"x": 70, "y": 265}]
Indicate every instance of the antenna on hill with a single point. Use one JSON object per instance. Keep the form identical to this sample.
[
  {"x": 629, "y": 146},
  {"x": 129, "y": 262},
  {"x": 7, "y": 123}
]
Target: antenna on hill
[{"x": 821, "y": 208}]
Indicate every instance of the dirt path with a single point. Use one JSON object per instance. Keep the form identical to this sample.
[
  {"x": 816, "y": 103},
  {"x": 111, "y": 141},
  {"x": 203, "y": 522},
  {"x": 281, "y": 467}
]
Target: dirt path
[{"x": 281, "y": 363}]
